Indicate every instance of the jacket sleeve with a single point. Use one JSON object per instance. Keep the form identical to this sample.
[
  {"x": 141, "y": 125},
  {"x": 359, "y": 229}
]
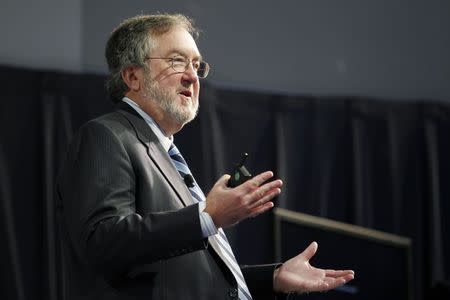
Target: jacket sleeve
[
  {"x": 259, "y": 279},
  {"x": 96, "y": 189}
]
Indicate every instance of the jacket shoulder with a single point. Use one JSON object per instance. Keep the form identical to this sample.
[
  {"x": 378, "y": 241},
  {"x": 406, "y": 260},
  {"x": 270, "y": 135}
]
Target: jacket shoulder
[
  {"x": 111, "y": 119},
  {"x": 115, "y": 123}
]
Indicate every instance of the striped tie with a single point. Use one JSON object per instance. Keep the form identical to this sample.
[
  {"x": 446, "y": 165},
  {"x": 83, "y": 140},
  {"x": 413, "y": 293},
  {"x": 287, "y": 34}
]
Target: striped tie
[{"x": 218, "y": 241}]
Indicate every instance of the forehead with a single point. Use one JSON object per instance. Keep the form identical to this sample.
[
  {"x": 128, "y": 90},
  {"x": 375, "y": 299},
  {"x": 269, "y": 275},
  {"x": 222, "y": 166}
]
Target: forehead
[{"x": 176, "y": 41}]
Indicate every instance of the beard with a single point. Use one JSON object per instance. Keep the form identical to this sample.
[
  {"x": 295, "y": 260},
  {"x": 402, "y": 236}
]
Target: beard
[{"x": 182, "y": 114}]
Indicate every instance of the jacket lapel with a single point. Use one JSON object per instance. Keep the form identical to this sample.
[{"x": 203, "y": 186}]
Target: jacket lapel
[{"x": 156, "y": 153}]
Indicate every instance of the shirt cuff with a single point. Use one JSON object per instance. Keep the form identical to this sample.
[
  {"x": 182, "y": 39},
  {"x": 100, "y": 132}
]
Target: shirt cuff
[{"x": 206, "y": 222}]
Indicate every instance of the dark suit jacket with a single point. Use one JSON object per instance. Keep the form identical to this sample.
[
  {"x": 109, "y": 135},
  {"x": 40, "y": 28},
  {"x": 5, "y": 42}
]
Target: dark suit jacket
[{"x": 128, "y": 225}]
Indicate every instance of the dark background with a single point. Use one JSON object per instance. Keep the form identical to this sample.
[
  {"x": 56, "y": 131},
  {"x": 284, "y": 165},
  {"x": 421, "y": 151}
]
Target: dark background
[
  {"x": 376, "y": 163},
  {"x": 368, "y": 148}
]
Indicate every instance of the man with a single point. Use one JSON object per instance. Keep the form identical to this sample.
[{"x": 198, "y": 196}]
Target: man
[{"x": 134, "y": 222}]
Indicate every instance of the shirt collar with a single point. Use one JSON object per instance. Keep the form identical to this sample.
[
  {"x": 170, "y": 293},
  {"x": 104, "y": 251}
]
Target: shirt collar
[{"x": 165, "y": 141}]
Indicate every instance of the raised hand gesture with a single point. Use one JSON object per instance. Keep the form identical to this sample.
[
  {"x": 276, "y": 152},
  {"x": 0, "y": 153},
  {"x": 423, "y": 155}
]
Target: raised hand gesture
[{"x": 297, "y": 275}]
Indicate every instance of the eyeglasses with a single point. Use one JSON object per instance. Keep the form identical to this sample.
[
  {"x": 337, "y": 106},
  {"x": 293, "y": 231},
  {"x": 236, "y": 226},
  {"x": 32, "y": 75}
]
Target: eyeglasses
[{"x": 180, "y": 64}]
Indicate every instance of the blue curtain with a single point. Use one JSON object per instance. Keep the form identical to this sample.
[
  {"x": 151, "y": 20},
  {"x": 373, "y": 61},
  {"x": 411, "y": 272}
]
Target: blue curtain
[{"x": 371, "y": 162}]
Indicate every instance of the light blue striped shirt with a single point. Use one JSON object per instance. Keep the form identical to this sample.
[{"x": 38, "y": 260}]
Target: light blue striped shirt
[{"x": 206, "y": 222}]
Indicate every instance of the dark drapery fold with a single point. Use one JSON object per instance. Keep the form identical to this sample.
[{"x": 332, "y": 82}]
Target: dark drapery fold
[
  {"x": 11, "y": 283},
  {"x": 21, "y": 145},
  {"x": 64, "y": 108},
  {"x": 375, "y": 163},
  {"x": 436, "y": 130},
  {"x": 314, "y": 153}
]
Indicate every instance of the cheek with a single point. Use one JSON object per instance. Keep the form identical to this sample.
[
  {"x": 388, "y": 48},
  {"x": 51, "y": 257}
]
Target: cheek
[
  {"x": 168, "y": 88},
  {"x": 169, "y": 83}
]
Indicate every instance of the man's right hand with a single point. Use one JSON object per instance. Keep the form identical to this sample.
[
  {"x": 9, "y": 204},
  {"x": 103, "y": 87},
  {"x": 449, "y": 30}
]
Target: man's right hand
[{"x": 228, "y": 206}]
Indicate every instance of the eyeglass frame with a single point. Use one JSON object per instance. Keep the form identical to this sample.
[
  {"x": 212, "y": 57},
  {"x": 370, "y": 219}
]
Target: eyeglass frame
[{"x": 188, "y": 62}]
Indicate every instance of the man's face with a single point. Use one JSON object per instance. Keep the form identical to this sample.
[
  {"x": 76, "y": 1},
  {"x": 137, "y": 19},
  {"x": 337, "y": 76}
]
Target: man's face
[{"x": 175, "y": 92}]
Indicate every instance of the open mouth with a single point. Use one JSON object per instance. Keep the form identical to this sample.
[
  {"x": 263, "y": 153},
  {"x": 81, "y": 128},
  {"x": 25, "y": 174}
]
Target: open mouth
[{"x": 186, "y": 93}]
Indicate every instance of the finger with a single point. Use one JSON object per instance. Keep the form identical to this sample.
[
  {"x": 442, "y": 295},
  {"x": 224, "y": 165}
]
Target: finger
[
  {"x": 310, "y": 251},
  {"x": 259, "y": 193},
  {"x": 338, "y": 273},
  {"x": 348, "y": 277},
  {"x": 256, "y": 181},
  {"x": 266, "y": 198},
  {"x": 261, "y": 209}
]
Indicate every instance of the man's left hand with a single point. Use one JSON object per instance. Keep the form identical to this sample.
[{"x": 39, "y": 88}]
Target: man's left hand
[{"x": 297, "y": 275}]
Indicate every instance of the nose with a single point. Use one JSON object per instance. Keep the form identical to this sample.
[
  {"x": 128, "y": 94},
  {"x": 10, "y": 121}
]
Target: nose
[{"x": 190, "y": 74}]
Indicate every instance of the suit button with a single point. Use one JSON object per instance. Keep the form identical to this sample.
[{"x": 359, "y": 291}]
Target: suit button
[{"x": 233, "y": 293}]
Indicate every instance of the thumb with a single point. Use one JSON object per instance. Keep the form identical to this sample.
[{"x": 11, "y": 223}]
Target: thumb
[
  {"x": 223, "y": 180},
  {"x": 310, "y": 251}
]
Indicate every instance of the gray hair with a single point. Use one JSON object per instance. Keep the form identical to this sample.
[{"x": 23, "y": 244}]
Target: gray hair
[{"x": 132, "y": 42}]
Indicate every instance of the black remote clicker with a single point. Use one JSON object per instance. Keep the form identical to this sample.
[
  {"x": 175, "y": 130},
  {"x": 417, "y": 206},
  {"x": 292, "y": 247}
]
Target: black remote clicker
[{"x": 240, "y": 174}]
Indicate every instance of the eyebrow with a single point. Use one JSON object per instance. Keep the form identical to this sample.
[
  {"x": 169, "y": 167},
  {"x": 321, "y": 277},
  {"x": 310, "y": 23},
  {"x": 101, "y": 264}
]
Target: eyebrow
[{"x": 182, "y": 53}]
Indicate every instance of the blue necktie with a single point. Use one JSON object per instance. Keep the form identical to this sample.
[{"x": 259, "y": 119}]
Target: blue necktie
[{"x": 218, "y": 241}]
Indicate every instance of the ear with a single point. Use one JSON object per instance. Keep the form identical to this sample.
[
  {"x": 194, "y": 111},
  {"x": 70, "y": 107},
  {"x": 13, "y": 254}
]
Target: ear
[{"x": 133, "y": 76}]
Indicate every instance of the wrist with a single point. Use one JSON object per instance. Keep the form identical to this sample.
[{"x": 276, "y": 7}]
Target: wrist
[
  {"x": 211, "y": 213},
  {"x": 276, "y": 287}
]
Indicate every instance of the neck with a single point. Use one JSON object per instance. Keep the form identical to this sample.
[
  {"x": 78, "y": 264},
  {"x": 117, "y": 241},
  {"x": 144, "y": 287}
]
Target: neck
[{"x": 166, "y": 124}]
